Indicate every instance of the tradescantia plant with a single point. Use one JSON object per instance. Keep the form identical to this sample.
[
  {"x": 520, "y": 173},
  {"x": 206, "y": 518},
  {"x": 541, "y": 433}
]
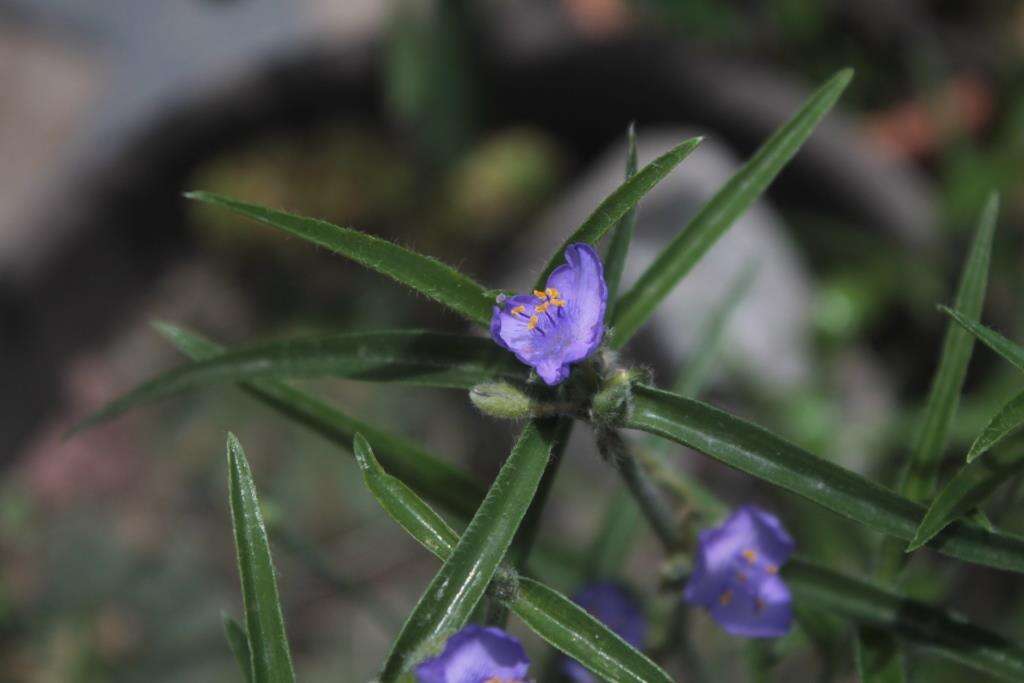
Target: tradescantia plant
[{"x": 549, "y": 357}]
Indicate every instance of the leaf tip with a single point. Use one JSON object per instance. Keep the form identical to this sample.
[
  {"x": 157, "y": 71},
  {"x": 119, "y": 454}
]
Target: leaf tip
[
  {"x": 363, "y": 452},
  {"x": 165, "y": 329},
  {"x": 844, "y": 76},
  {"x": 235, "y": 453}
]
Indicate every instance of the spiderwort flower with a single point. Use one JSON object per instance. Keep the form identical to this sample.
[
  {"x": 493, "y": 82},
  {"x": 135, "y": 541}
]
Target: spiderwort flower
[
  {"x": 736, "y": 574},
  {"x": 611, "y": 604},
  {"x": 552, "y": 329},
  {"x": 477, "y": 654}
]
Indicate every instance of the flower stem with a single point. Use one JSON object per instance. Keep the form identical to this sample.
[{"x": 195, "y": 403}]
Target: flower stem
[{"x": 650, "y": 499}]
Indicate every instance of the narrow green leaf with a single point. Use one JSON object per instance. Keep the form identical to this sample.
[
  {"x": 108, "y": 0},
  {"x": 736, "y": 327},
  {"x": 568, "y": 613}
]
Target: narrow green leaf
[
  {"x": 271, "y": 660},
  {"x": 1008, "y": 420},
  {"x": 403, "y": 505},
  {"x": 754, "y": 450},
  {"x": 921, "y": 473},
  {"x": 424, "y": 274},
  {"x": 551, "y": 615},
  {"x": 619, "y": 202},
  {"x": 968, "y": 489},
  {"x": 879, "y": 657},
  {"x": 990, "y": 338},
  {"x": 622, "y": 233},
  {"x": 526, "y": 537},
  {"x": 239, "y": 644},
  {"x": 426, "y": 473},
  {"x": 408, "y": 356},
  {"x": 676, "y": 260},
  {"x": 572, "y": 630},
  {"x": 944, "y": 634},
  {"x": 453, "y": 594}
]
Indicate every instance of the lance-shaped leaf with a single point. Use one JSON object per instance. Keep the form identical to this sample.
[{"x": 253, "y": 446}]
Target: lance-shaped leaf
[
  {"x": 554, "y": 617},
  {"x": 422, "y": 273},
  {"x": 453, "y": 594},
  {"x": 921, "y": 473},
  {"x": 619, "y": 202},
  {"x": 407, "y": 356},
  {"x": 968, "y": 489},
  {"x": 676, "y": 260},
  {"x": 432, "y": 477},
  {"x": 622, "y": 233},
  {"x": 572, "y": 630},
  {"x": 879, "y": 657},
  {"x": 239, "y": 644},
  {"x": 403, "y": 505},
  {"x": 1005, "y": 422},
  {"x": 944, "y": 634},
  {"x": 758, "y": 452},
  {"x": 271, "y": 659},
  {"x": 990, "y": 338}
]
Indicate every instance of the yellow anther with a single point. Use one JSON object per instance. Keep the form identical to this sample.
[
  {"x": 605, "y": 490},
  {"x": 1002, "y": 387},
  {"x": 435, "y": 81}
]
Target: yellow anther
[
  {"x": 771, "y": 569},
  {"x": 533, "y": 322},
  {"x": 518, "y": 309},
  {"x": 539, "y": 294},
  {"x": 557, "y": 302},
  {"x": 540, "y": 308},
  {"x": 725, "y": 598},
  {"x": 552, "y": 292},
  {"x": 750, "y": 556}
]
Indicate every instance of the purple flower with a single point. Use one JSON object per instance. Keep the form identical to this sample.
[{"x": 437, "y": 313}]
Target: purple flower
[
  {"x": 611, "y": 604},
  {"x": 736, "y": 574},
  {"x": 477, "y": 654},
  {"x": 562, "y": 325}
]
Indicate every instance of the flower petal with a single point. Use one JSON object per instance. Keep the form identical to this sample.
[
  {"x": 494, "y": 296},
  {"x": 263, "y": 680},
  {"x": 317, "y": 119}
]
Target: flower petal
[
  {"x": 766, "y": 612},
  {"x": 580, "y": 283},
  {"x": 735, "y": 574},
  {"x": 476, "y": 654},
  {"x": 560, "y": 326}
]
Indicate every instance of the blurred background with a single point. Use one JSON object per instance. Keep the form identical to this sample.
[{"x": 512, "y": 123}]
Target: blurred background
[{"x": 482, "y": 133}]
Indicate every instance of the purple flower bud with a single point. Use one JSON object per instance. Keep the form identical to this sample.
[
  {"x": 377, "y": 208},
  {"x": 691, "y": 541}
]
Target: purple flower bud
[
  {"x": 477, "y": 654},
  {"x": 562, "y": 325},
  {"x": 613, "y": 605},
  {"x": 736, "y": 574}
]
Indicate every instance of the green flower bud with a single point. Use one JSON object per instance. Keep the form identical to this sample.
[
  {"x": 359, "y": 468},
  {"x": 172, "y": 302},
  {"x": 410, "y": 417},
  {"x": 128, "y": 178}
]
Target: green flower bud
[
  {"x": 499, "y": 399},
  {"x": 612, "y": 404}
]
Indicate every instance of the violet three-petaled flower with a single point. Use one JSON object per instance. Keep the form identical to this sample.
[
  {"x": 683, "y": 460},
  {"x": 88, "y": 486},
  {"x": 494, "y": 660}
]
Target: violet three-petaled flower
[
  {"x": 477, "y": 654},
  {"x": 552, "y": 329},
  {"x": 614, "y": 606},
  {"x": 736, "y": 574}
]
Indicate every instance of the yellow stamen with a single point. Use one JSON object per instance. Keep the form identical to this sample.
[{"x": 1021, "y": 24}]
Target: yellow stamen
[
  {"x": 539, "y": 294},
  {"x": 725, "y": 598},
  {"x": 552, "y": 292},
  {"x": 518, "y": 309},
  {"x": 557, "y": 302},
  {"x": 771, "y": 569},
  {"x": 750, "y": 556},
  {"x": 533, "y": 322}
]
